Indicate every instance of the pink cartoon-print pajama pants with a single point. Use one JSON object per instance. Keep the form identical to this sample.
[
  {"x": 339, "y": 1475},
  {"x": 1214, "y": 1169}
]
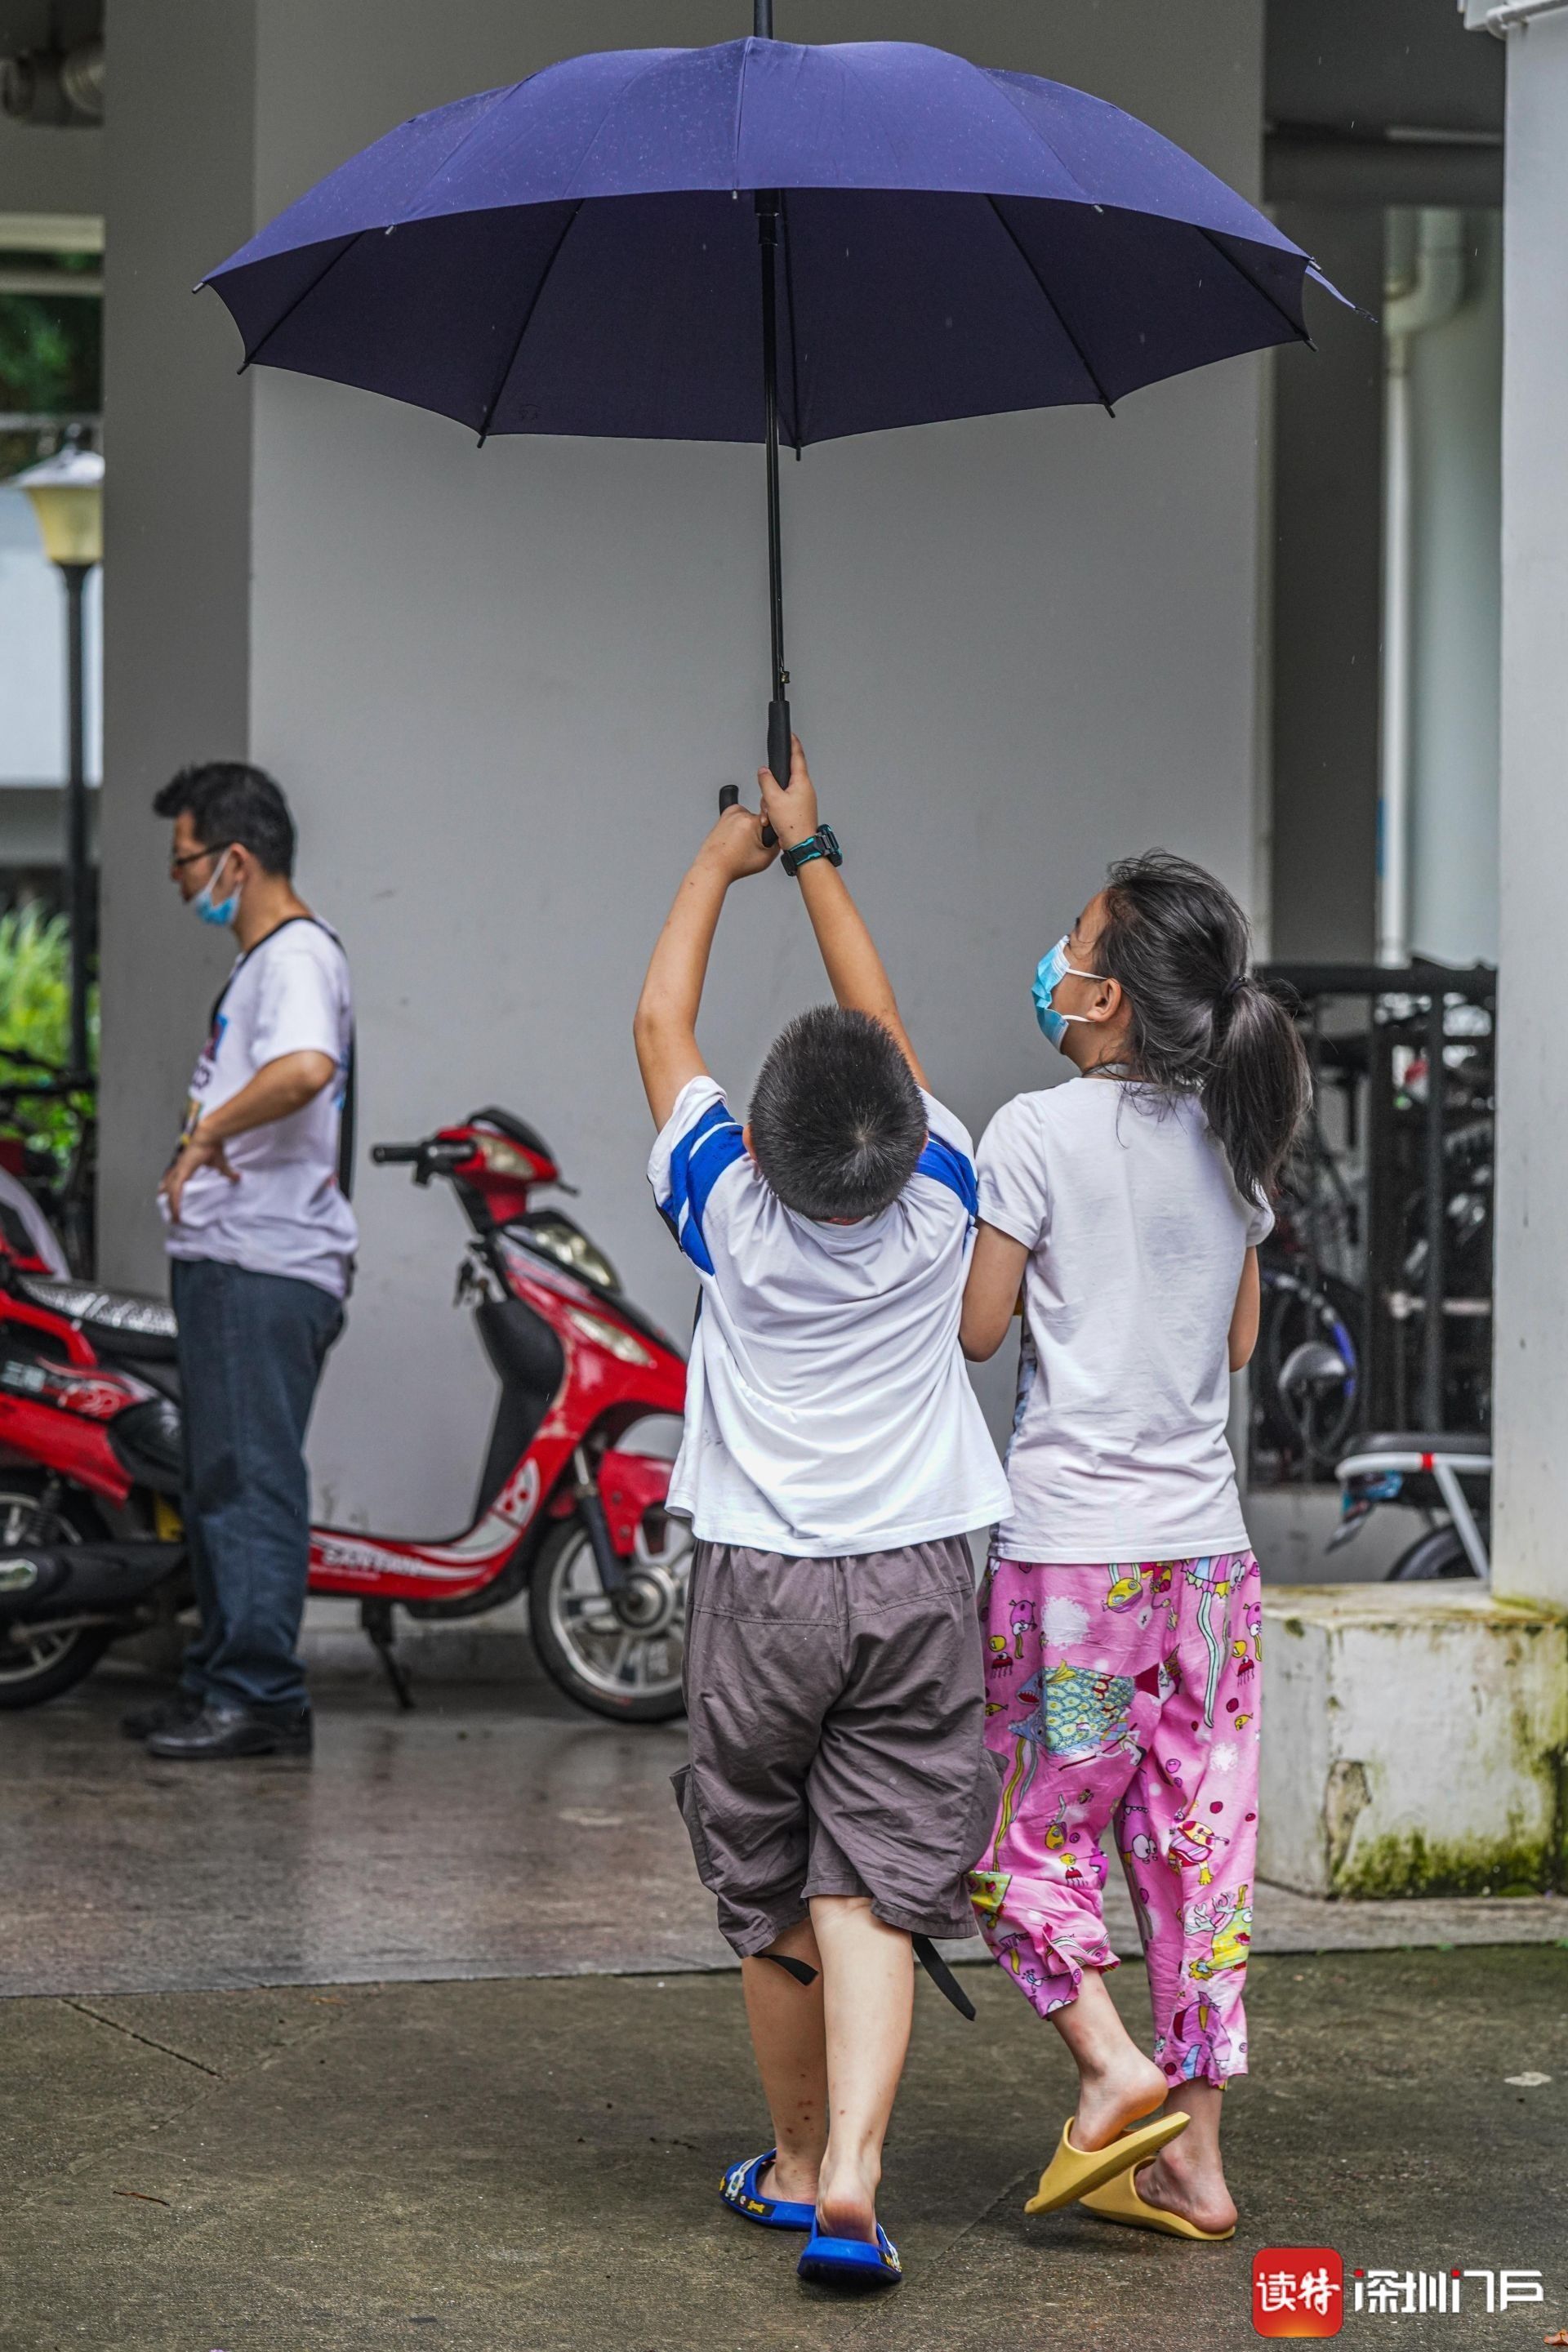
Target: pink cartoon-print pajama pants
[{"x": 1125, "y": 1695}]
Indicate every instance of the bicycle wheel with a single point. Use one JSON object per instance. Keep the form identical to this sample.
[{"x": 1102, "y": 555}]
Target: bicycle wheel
[{"x": 1309, "y": 1422}]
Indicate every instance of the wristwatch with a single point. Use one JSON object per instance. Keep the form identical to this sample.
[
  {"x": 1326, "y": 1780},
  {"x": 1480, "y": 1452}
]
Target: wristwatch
[{"x": 822, "y": 842}]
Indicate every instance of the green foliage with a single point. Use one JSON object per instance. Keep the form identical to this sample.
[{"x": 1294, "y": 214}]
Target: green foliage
[
  {"x": 50, "y": 353},
  {"x": 35, "y": 1028}
]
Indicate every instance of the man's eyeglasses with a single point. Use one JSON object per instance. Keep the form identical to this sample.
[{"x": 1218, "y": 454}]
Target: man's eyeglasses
[{"x": 178, "y": 865}]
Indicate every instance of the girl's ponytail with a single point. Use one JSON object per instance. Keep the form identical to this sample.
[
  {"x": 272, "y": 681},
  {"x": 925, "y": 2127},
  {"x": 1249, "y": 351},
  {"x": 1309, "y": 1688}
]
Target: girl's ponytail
[
  {"x": 1257, "y": 1086},
  {"x": 1179, "y": 943}
]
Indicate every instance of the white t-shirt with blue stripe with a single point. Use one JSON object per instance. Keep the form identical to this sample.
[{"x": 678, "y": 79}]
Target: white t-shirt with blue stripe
[{"x": 828, "y": 1408}]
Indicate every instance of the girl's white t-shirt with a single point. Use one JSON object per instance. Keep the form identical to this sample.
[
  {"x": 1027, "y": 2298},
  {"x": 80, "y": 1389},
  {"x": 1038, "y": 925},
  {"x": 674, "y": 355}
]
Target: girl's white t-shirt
[{"x": 1137, "y": 1236}]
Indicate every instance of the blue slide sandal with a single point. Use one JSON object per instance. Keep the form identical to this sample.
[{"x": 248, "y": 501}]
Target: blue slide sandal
[
  {"x": 740, "y": 2192},
  {"x": 851, "y": 2262}
]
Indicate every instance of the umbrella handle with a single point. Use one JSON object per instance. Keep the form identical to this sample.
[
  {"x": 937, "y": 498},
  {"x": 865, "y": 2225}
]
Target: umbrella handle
[
  {"x": 779, "y": 751},
  {"x": 780, "y": 747}
]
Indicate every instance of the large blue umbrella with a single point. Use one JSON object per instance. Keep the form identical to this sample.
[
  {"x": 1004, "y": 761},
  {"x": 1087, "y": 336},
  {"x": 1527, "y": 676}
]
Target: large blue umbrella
[{"x": 762, "y": 240}]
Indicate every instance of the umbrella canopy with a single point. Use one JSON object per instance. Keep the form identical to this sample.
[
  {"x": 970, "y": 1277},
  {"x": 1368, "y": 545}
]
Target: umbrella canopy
[
  {"x": 572, "y": 255},
  {"x": 579, "y": 254}
]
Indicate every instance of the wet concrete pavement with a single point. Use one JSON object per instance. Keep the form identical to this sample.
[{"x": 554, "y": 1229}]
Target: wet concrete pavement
[
  {"x": 530, "y": 2165},
  {"x": 497, "y": 1832},
  {"x": 433, "y": 2041}
]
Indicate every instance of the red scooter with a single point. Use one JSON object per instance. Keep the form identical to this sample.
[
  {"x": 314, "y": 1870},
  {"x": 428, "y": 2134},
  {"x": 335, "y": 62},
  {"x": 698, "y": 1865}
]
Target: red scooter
[{"x": 91, "y": 1547}]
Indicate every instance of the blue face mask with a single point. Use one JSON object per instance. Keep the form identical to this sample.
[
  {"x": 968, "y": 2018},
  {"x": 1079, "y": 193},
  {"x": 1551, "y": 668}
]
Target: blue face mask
[
  {"x": 1051, "y": 968},
  {"x": 216, "y": 911}
]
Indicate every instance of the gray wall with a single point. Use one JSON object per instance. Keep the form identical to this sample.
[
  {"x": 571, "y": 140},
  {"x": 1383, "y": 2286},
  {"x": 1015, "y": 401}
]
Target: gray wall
[
  {"x": 1532, "y": 1362},
  {"x": 503, "y": 687}
]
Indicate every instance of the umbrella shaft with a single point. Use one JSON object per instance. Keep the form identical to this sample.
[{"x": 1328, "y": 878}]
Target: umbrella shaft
[
  {"x": 767, "y": 232},
  {"x": 762, "y": 20}
]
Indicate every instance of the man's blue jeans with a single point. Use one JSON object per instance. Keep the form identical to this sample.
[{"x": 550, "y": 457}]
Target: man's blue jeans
[{"x": 251, "y": 1351}]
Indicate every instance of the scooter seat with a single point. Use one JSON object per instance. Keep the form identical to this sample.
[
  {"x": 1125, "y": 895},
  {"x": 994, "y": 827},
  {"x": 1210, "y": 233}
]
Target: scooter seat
[
  {"x": 118, "y": 1323},
  {"x": 1422, "y": 1441}
]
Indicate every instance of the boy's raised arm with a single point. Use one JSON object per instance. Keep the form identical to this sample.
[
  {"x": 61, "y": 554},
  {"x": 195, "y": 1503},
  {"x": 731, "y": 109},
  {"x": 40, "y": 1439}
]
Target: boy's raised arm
[
  {"x": 856, "y": 973},
  {"x": 664, "y": 1029}
]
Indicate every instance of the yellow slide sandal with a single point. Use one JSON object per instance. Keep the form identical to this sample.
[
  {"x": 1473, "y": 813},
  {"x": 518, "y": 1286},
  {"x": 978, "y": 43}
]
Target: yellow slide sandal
[
  {"x": 1072, "y": 2172},
  {"x": 1118, "y": 2200}
]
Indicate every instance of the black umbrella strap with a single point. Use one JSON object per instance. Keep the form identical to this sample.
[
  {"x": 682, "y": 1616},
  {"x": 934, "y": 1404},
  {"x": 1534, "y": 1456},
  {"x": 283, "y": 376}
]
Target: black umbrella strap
[
  {"x": 799, "y": 1970},
  {"x": 941, "y": 1975},
  {"x": 926, "y": 1953}
]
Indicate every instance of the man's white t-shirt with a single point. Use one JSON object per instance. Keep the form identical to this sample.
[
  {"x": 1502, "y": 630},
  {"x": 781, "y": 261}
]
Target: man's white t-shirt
[
  {"x": 827, "y": 1406},
  {"x": 1137, "y": 1236},
  {"x": 287, "y": 1213}
]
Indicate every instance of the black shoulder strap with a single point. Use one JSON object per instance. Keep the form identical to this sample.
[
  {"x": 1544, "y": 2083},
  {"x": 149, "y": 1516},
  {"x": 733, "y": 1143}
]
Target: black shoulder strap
[
  {"x": 347, "y": 1118},
  {"x": 346, "y": 1123}
]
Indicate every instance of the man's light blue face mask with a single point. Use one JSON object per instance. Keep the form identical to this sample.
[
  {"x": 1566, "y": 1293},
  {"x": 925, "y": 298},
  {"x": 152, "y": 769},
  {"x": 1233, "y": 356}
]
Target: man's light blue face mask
[
  {"x": 212, "y": 909},
  {"x": 1051, "y": 968}
]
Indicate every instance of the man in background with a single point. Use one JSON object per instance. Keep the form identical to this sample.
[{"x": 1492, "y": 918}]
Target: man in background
[{"x": 262, "y": 1239}]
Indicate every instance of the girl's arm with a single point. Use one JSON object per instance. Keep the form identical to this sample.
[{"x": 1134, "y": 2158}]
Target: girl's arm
[
  {"x": 991, "y": 1293},
  {"x": 1245, "y": 1314}
]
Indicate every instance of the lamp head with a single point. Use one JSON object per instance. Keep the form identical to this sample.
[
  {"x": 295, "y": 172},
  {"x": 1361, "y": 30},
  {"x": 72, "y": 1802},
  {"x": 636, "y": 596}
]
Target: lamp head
[{"x": 67, "y": 494}]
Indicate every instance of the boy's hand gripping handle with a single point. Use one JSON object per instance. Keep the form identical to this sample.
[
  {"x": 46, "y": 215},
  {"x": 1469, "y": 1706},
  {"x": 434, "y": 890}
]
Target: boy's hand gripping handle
[
  {"x": 780, "y": 747},
  {"x": 779, "y": 751}
]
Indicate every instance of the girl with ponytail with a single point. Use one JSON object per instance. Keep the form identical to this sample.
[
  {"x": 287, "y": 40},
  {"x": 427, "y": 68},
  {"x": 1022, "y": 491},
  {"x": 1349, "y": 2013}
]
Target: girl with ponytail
[{"x": 1121, "y": 1600}]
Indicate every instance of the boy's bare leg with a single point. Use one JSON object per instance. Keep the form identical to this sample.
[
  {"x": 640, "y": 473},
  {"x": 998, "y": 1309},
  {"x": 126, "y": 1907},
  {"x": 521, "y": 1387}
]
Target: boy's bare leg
[
  {"x": 869, "y": 1985},
  {"x": 1188, "y": 2177},
  {"x": 1116, "y": 2083},
  {"x": 791, "y": 2047}
]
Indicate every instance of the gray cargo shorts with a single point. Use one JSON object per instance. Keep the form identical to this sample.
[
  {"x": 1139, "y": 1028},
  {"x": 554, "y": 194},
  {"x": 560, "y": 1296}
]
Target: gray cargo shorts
[{"x": 837, "y": 1717}]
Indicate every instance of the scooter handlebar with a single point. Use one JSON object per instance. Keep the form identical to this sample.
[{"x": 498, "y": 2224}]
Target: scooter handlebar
[{"x": 436, "y": 1152}]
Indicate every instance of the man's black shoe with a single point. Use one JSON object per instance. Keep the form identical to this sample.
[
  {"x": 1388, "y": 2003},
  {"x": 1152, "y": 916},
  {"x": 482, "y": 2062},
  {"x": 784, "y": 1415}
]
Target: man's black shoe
[
  {"x": 143, "y": 1721},
  {"x": 218, "y": 1731}
]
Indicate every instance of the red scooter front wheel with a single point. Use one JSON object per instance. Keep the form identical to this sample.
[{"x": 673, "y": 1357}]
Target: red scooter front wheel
[
  {"x": 40, "y": 1661},
  {"x": 620, "y": 1657}
]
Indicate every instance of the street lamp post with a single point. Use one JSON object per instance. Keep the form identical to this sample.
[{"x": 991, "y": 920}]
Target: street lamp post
[{"x": 67, "y": 494}]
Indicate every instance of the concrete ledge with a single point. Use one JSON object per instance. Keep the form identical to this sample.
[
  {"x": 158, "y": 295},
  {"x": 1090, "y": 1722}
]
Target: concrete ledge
[{"x": 1415, "y": 1742}]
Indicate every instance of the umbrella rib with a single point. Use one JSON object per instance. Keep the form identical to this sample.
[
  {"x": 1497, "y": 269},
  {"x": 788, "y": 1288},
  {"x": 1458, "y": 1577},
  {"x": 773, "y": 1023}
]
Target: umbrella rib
[
  {"x": 1298, "y": 333},
  {"x": 494, "y": 402},
  {"x": 304, "y": 295},
  {"x": 789, "y": 304},
  {"x": 1025, "y": 256}
]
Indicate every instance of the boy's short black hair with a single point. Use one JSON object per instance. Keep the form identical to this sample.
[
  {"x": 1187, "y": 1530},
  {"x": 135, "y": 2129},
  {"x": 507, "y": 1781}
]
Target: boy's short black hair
[
  {"x": 837, "y": 1121},
  {"x": 229, "y": 800}
]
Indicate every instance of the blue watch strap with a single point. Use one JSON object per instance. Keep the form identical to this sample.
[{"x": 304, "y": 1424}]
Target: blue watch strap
[{"x": 822, "y": 842}]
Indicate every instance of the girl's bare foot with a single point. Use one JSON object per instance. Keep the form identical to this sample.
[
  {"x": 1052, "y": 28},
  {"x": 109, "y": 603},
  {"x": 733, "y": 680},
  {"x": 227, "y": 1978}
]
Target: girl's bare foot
[
  {"x": 1188, "y": 2177},
  {"x": 1117, "y": 2084},
  {"x": 1121, "y": 2091},
  {"x": 1198, "y": 2193}
]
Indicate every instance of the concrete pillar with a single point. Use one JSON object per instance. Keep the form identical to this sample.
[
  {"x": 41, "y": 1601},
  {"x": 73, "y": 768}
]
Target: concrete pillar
[
  {"x": 1532, "y": 1316},
  {"x": 180, "y": 161}
]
